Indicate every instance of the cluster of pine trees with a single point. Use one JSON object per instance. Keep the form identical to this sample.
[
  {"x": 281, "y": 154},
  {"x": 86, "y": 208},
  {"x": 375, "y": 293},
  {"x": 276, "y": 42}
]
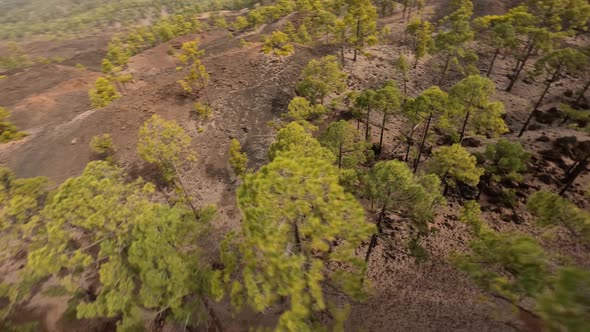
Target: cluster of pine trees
[{"x": 23, "y": 18}]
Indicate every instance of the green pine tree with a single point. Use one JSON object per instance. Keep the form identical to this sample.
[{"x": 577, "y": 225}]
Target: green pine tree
[
  {"x": 320, "y": 78},
  {"x": 300, "y": 229},
  {"x": 454, "y": 164}
]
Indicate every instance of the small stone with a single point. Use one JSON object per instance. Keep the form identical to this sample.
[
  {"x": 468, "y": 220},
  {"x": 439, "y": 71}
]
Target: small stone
[{"x": 74, "y": 141}]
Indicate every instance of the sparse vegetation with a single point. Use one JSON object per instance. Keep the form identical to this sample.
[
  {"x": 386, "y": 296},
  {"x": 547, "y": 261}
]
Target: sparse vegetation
[
  {"x": 278, "y": 43},
  {"x": 103, "y": 94},
  {"x": 103, "y": 145},
  {"x": 8, "y": 131}
]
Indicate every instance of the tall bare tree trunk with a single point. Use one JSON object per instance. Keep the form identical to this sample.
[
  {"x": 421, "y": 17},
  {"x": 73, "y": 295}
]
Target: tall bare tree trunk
[
  {"x": 551, "y": 80},
  {"x": 382, "y": 130},
  {"x": 368, "y": 122},
  {"x": 358, "y": 34},
  {"x": 489, "y": 72},
  {"x": 520, "y": 65},
  {"x": 424, "y": 135},
  {"x": 464, "y": 126},
  {"x": 373, "y": 242},
  {"x": 573, "y": 174},
  {"x": 445, "y": 69}
]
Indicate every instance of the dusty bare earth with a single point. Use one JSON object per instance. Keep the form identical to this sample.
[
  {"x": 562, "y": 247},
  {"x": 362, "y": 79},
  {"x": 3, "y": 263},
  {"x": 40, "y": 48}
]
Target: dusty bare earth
[{"x": 247, "y": 90}]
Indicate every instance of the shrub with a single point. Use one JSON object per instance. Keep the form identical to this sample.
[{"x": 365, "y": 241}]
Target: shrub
[
  {"x": 102, "y": 145},
  {"x": 204, "y": 111}
]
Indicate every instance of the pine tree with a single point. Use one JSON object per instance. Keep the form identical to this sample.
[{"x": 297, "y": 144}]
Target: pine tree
[
  {"x": 361, "y": 15},
  {"x": 514, "y": 267},
  {"x": 103, "y": 146},
  {"x": 300, "y": 229},
  {"x": 303, "y": 36},
  {"x": 241, "y": 23},
  {"x": 8, "y": 131},
  {"x": 278, "y": 43},
  {"x": 403, "y": 67},
  {"x": 505, "y": 160},
  {"x": 103, "y": 93},
  {"x": 202, "y": 110},
  {"x": 323, "y": 22},
  {"x": 546, "y": 24},
  {"x": 345, "y": 143},
  {"x": 237, "y": 159},
  {"x": 556, "y": 64},
  {"x": 454, "y": 164},
  {"x": 289, "y": 30},
  {"x": 107, "y": 67},
  {"x": 551, "y": 210},
  {"x": 391, "y": 187},
  {"x": 430, "y": 104},
  {"x": 165, "y": 144},
  {"x": 451, "y": 41},
  {"x": 340, "y": 31},
  {"x": 366, "y": 101},
  {"x": 197, "y": 77},
  {"x": 320, "y": 78},
  {"x": 510, "y": 265},
  {"x": 387, "y": 100},
  {"x": 21, "y": 200},
  {"x": 472, "y": 110},
  {"x": 564, "y": 306},
  {"x": 294, "y": 138},
  {"x": 117, "y": 53},
  {"x": 144, "y": 252},
  {"x": 502, "y": 31},
  {"x": 301, "y": 110},
  {"x": 424, "y": 42}
]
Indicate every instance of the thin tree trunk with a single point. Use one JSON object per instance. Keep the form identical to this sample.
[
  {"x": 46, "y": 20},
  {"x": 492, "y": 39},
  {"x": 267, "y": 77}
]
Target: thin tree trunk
[
  {"x": 296, "y": 236},
  {"x": 185, "y": 192},
  {"x": 368, "y": 122},
  {"x": 340, "y": 155},
  {"x": 582, "y": 93},
  {"x": 358, "y": 33},
  {"x": 404, "y": 12},
  {"x": 518, "y": 68},
  {"x": 405, "y": 89},
  {"x": 493, "y": 61},
  {"x": 417, "y": 161},
  {"x": 445, "y": 183},
  {"x": 464, "y": 126},
  {"x": 382, "y": 130},
  {"x": 410, "y": 139},
  {"x": 445, "y": 68},
  {"x": 342, "y": 53},
  {"x": 528, "y": 120},
  {"x": 575, "y": 172},
  {"x": 373, "y": 242}
]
